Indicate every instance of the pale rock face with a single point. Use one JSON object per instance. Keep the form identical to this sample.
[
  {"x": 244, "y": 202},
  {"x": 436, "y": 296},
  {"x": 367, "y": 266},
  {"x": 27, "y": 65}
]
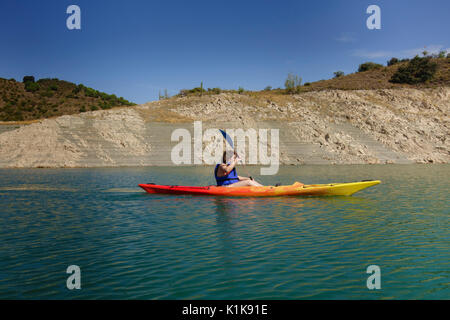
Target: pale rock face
[
  {"x": 65, "y": 141},
  {"x": 37, "y": 145},
  {"x": 331, "y": 126}
]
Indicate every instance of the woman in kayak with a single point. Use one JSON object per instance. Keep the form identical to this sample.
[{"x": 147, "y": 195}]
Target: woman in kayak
[{"x": 225, "y": 174}]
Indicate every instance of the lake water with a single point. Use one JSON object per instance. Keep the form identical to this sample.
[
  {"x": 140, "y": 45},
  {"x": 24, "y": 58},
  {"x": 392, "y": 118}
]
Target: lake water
[{"x": 133, "y": 245}]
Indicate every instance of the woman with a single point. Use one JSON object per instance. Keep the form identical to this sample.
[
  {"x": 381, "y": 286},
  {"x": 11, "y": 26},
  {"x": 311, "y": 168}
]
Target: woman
[{"x": 225, "y": 174}]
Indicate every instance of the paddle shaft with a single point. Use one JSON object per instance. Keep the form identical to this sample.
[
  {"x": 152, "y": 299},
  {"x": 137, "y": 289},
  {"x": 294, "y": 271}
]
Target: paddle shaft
[{"x": 230, "y": 142}]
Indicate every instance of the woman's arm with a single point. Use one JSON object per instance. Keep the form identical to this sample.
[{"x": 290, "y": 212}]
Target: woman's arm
[
  {"x": 230, "y": 167},
  {"x": 227, "y": 168}
]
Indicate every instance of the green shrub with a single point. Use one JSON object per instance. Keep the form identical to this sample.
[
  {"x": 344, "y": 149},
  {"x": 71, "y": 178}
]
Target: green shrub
[
  {"x": 83, "y": 109},
  {"x": 89, "y": 92},
  {"x": 31, "y": 86},
  {"x": 392, "y": 61},
  {"x": 307, "y": 84},
  {"x": 241, "y": 90},
  {"x": 43, "y": 80},
  {"x": 28, "y": 79},
  {"x": 214, "y": 90},
  {"x": 104, "y": 96},
  {"x": 268, "y": 88},
  {"x": 125, "y": 102},
  {"x": 418, "y": 70},
  {"x": 338, "y": 74},
  {"x": 93, "y": 108},
  {"x": 78, "y": 89},
  {"x": 197, "y": 90},
  {"x": 54, "y": 87},
  {"x": 369, "y": 66},
  {"x": 293, "y": 83}
]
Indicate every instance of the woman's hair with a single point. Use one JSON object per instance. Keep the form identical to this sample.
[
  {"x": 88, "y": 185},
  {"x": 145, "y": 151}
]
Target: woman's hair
[{"x": 227, "y": 155}]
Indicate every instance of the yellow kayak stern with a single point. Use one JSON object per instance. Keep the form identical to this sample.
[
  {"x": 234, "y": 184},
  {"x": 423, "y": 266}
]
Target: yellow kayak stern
[{"x": 339, "y": 189}]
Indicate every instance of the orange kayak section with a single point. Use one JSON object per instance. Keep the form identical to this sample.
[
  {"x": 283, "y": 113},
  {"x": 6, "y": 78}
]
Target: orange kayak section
[{"x": 296, "y": 189}]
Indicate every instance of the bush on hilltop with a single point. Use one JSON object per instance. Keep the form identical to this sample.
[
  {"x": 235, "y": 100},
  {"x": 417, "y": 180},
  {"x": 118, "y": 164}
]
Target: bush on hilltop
[
  {"x": 293, "y": 83},
  {"x": 28, "y": 79},
  {"x": 392, "y": 61},
  {"x": 418, "y": 70},
  {"x": 366, "y": 66}
]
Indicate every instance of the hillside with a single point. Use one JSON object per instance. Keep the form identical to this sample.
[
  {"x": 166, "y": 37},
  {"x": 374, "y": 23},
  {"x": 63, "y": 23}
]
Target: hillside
[
  {"x": 47, "y": 98},
  {"x": 373, "y": 79},
  {"x": 403, "y": 125},
  {"x": 364, "y": 117},
  {"x": 380, "y": 79}
]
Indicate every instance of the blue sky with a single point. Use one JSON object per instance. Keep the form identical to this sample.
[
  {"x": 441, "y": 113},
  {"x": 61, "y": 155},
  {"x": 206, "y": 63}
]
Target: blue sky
[{"x": 135, "y": 48}]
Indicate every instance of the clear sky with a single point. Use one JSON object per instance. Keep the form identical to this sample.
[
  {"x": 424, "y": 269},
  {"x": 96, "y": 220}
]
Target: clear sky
[{"x": 135, "y": 48}]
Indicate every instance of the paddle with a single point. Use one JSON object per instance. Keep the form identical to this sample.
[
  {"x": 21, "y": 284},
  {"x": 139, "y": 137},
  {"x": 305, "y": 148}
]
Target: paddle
[{"x": 230, "y": 142}]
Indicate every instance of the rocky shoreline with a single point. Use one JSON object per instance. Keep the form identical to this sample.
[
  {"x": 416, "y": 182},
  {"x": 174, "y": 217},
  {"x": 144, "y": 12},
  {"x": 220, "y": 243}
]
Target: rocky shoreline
[{"x": 325, "y": 127}]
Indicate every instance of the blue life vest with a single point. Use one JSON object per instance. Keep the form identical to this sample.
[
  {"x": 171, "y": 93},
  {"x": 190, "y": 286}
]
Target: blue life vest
[{"x": 226, "y": 180}]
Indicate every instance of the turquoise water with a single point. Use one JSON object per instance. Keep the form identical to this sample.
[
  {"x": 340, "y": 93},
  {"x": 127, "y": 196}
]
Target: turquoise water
[{"x": 133, "y": 245}]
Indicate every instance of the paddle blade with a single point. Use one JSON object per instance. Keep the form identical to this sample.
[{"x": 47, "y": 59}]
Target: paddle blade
[{"x": 227, "y": 137}]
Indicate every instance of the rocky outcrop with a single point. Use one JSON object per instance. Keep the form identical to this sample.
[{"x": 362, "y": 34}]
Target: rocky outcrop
[{"x": 326, "y": 127}]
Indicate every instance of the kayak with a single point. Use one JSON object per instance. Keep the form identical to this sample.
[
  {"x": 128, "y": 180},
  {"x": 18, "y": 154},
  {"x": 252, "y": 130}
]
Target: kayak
[{"x": 296, "y": 189}]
